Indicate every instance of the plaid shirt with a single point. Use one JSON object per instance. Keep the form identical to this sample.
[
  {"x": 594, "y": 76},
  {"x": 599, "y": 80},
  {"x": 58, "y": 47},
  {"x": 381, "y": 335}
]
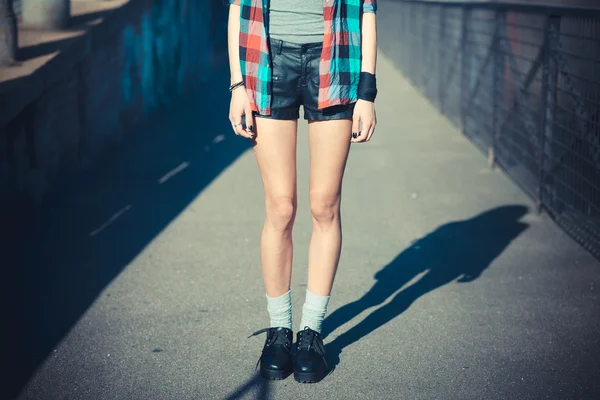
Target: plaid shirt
[{"x": 340, "y": 59}]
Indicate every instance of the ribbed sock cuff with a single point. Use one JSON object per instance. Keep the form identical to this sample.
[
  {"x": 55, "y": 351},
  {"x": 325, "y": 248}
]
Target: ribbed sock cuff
[
  {"x": 280, "y": 310},
  {"x": 313, "y": 311}
]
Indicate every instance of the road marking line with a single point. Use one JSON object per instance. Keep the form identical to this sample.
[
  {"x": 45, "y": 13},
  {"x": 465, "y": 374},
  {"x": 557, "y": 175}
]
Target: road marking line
[
  {"x": 173, "y": 172},
  {"x": 111, "y": 220},
  {"x": 218, "y": 138}
]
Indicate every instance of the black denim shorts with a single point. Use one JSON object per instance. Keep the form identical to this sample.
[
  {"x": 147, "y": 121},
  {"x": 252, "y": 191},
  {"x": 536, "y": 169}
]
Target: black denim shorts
[{"x": 295, "y": 80}]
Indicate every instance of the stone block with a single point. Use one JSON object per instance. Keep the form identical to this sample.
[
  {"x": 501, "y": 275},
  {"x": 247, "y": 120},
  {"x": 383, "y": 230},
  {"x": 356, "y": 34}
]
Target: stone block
[{"x": 46, "y": 14}]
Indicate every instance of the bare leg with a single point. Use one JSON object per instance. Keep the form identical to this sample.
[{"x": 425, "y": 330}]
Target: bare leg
[
  {"x": 329, "y": 147},
  {"x": 275, "y": 151}
]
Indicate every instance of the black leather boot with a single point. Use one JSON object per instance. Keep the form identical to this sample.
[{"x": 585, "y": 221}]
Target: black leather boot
[
  {"x": 309, "y": 364},
  {"x": 276, "y": 359}
]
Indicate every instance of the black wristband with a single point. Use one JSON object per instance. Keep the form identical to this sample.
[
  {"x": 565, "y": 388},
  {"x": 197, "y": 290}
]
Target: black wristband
[
  {"x": 236, "y": 85},
  {"x": 367, "y": 87}
]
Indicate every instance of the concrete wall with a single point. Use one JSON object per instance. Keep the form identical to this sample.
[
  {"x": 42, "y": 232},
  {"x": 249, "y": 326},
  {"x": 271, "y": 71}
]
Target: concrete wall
[{"x": 62, "y": 119}]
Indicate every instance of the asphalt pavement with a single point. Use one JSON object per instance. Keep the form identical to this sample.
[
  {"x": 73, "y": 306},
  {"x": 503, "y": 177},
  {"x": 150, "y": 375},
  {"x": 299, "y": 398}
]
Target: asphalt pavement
[{"x": 142, "y": 281}]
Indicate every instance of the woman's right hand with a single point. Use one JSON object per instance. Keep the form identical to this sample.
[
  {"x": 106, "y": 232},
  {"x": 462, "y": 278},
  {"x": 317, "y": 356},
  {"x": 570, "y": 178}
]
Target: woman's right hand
[{"x": 240, "y": 106}]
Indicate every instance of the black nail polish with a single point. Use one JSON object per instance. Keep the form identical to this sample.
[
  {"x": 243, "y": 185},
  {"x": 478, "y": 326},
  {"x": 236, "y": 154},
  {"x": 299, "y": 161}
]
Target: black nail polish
[
  {"x": 250, "y": 128},
  {"x": 354, "y": 135}
]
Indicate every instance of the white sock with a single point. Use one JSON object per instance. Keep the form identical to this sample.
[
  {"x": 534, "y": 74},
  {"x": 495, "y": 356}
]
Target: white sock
[
  {"x": 313, "y": 311},
  {"x": 280, "y": 310}
]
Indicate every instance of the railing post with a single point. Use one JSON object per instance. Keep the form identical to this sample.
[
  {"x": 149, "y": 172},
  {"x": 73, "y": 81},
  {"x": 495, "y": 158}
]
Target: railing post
[
  {"x": 440, "y": 60},
  {"x": 466, "y": 13},
  {"x": 426, "y": 49},
  {"x": 421, "y": 46},
  {"x": 404, "y": 39},
  {"x": 46, "y": 14},
  {"x": 411, "y": 43},
  {"x": 414, "y": 24},
  {"x": 548, "y": 101},
  {"x": 498, "y": 82}
]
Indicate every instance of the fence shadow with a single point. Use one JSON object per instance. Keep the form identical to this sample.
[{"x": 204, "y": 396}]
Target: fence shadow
[
  {"x": 88, "y": 231},
  {"x": 458, "y": 251}
]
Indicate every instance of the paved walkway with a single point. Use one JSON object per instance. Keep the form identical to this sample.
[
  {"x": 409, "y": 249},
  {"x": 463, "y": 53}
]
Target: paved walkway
[{"x": 147, "y": 283}]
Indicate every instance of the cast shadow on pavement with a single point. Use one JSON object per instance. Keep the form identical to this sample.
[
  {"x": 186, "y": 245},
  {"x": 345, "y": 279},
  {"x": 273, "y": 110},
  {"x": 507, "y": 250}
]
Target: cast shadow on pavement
[
  {"x": 88, "y": 231},
  {"x": 455, "y": 252},
  {"x": 256, "y": 387}
]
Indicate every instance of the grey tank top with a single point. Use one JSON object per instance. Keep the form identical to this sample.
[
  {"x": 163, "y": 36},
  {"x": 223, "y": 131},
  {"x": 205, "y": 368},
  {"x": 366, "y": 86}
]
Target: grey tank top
[{"x": 296, "y": 21}]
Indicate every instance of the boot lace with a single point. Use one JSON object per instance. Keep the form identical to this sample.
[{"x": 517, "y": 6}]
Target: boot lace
[
  {"x": 307, "y": 340},
  {"x": 274, "y": 337}
]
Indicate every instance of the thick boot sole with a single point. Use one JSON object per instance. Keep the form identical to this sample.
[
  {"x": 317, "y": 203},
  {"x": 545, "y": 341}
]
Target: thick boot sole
[
  {"x": 309, "y": 377},
  {"x": 274, "y": 375}
]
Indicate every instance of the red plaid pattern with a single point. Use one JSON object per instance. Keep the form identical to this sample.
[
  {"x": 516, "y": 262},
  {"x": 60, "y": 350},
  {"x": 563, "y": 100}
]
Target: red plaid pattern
[{"x": 340, "y": 60}]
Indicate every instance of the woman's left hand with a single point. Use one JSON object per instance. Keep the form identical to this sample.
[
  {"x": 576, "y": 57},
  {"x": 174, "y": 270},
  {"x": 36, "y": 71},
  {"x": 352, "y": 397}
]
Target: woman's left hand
[{"x": 363, "y": 121}]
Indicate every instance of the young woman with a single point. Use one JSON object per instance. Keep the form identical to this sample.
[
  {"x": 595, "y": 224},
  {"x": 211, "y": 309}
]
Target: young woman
[{"x": 320, "y": 54}]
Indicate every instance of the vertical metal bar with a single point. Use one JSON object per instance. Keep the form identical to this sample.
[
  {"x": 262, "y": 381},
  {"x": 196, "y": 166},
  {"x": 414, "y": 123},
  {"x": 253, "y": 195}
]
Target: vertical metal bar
[
  {"x": 415, "y": 44},
  {"x": 466, "y": 13},
  {"x": 427, "y": 70},
  {"x": 421, "y": 48},
  {"x": 409, "y": 39},
  {"x": 440, "y": 61},
  {"x": 411, "y": 45},
  {"x": 548, "y": 102},
  {"x": 407, "y": 56},
  {"x": 497, "y": 77},
  {"x": 543, "y": 116},
  {"x": 404, "y": 39}
]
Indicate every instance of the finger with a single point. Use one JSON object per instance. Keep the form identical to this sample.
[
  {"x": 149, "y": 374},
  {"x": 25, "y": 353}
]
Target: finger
[
  {"x": 233, "y": 123},
  {"x": 239, "y": 128},
  {"x": 236, "y": 123},
  {"x": 249, "y": 123},
  {"x": 239, "y": 124},
  {"x": 355, "y": 127},
  {"x": 371, "y": 131},
  {"x": 362, "y": 135}
]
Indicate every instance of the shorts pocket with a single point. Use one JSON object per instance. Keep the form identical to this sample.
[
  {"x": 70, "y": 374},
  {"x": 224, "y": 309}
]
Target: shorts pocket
[
  {"x": 315, "y": 71},
  {"x": 278, "y": 73}
]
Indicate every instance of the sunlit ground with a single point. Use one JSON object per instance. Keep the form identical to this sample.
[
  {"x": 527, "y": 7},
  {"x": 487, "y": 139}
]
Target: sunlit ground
[{"x": 147, "y": 279}]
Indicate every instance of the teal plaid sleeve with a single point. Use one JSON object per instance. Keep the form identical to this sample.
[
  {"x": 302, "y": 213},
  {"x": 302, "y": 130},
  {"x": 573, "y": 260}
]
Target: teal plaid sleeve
[{"x": 369, "y": 6}]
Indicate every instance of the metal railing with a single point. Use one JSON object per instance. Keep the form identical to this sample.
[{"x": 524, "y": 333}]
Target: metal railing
[{"x": 523, "y": 83}]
